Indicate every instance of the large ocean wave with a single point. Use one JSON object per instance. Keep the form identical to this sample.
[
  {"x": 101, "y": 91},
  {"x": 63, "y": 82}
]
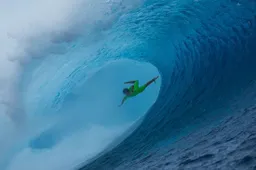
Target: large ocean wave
[{"x": 63, "y": 65}]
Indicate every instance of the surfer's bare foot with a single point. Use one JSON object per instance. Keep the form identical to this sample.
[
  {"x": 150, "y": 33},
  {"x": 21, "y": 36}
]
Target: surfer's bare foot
[{"x": 154, "y": 79}]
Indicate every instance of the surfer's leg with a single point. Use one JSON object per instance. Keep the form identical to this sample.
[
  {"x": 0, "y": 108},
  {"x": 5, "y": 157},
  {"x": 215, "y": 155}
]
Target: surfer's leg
[
  {"x": 151, "y": 81},
  {"x": 142, "y": 88}
]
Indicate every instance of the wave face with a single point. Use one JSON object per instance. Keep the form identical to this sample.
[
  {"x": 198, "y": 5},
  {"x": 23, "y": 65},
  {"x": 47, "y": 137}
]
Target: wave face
[{"x": 203, "y": 50}]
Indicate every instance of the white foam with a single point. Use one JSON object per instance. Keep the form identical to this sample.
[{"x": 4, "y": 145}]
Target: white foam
[
  {"x": 70, "y": 152},
  {"x": 22, "y": 21},
  {"x": 29, "y": 29}
]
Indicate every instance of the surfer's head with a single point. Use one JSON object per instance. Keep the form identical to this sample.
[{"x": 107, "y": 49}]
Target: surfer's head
[{"x": 126, "y": 91}]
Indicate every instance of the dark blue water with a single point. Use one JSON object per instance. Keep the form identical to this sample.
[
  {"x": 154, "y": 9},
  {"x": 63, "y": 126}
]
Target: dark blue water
[{"x": 205, "y": 52}]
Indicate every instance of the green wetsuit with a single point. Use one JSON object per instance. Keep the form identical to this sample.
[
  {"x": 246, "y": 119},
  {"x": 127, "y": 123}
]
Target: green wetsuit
[{"x": 135, "y": 90}]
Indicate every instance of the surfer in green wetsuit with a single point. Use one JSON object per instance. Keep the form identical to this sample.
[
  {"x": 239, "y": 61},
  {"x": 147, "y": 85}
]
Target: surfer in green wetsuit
[{"x": 134, "y": 90}]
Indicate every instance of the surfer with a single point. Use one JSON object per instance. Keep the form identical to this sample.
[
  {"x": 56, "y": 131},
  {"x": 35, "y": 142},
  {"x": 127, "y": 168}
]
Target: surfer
[{"x": 134, "y": 90}]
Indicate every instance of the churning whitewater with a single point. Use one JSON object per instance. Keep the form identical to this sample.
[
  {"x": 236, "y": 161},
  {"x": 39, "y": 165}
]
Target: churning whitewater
[{"x": 62, "y": 69}]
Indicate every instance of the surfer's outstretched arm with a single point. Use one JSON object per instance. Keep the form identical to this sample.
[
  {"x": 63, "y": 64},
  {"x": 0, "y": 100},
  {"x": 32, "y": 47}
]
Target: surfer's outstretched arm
[
  {"x": 130, "y": 82},
  {"x": 123, "y": 101}
]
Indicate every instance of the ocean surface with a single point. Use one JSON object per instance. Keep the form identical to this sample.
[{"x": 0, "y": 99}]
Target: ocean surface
[{"x": 63, "y": 65}]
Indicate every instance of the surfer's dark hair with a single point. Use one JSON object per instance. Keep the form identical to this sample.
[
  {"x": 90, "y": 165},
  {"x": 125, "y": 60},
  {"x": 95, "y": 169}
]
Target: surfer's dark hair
[{"x": 125, "y": 90}]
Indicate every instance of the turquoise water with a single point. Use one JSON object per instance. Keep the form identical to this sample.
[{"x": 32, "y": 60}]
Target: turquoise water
[{"x": 72, "y": 79}]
